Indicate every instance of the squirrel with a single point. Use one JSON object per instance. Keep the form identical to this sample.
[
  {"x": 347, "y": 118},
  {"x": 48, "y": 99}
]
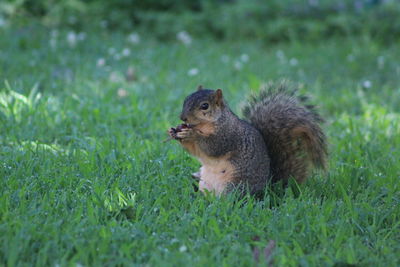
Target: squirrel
[{"x": 280, "y": 139}]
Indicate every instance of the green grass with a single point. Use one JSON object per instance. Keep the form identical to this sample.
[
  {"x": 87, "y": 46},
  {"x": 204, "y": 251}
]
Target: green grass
[{"x": 86, "y": 179}]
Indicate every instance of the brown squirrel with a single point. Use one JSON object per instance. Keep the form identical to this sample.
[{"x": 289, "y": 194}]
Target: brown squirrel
[{"x": 280, "y": 139}]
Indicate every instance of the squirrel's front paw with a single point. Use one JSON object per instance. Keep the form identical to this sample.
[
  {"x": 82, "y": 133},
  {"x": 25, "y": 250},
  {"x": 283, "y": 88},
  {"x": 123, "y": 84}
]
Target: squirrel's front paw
[
  {"x": 185, "y": 133},
  {"x": 182, "y": 131},
  {"x": 173, "y": 133}
]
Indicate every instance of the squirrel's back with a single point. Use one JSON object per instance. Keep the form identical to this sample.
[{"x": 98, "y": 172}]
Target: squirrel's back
[{"x": 290, "y": 128}]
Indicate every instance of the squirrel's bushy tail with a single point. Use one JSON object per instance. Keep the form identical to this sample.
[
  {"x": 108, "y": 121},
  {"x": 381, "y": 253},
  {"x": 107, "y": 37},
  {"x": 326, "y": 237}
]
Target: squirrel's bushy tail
[{"x": 290, "y": 127}]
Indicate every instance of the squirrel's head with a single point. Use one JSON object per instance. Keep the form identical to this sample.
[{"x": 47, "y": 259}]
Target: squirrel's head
[{"x": 202, "y": 106}]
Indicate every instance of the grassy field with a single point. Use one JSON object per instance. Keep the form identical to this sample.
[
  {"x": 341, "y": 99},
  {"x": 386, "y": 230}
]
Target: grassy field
[{"x": 87, "y": 181}]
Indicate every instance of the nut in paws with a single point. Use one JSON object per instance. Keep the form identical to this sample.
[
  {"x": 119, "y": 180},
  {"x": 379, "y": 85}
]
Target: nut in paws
[{"x": 185, "y": 133}]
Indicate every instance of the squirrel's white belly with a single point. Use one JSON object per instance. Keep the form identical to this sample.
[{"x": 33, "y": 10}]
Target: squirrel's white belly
[
  {"x": 209, "y": 182},
  {"x": 215, "y": 175}
]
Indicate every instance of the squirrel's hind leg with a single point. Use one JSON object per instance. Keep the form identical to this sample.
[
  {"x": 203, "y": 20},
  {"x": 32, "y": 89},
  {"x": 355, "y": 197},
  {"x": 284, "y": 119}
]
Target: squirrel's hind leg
[{"x": 196, "y": 176}]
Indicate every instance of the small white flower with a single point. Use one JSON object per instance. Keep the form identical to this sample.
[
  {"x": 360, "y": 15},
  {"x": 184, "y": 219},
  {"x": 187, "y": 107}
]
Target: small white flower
[
  {"x": 293, "y": 62},
  {"x": 54, "y": 33},
  {"x": 184, "y": 37},
  {"x": 193, "y": 72},
  {"x": 126, "y": 52},
  {"x": 134, "y": 38},
  {"x": 81, "y": 36},
  {"x": 237, "y": 65},
  {"x": 71, "y": 38},
  {"x": 53, "y": 38},
  {"x": 244, "y": 58},
  {"x": 3, "y": 22},
  {"x": 225, "y": 58},
  {"x": 122, "y": 93},
  {"x": 280, "y": 54},
  {"x": 117, "y": 56},
  {"x": 101, "y": 62},
  {"x": 53, "y": 43},
  {"x": 350, "y": 58},
  {"x": 111, "y": 51},
  {"x": 104, "y": 23},
  {"x": 367, "y": 84},
  {"x": 381, "y": 62},
  {"x": 116, "y": 77},
  {"x": 182, "y": 248}
]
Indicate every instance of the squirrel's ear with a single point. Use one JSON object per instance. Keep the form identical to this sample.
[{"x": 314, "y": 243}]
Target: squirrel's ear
[
  {"x": 219, "y": 99},
  {"x": 200, "y": 87}
]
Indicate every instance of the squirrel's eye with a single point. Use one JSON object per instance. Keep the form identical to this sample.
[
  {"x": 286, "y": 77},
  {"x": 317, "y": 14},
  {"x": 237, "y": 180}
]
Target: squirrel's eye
[{"x": 204, "y": 106}]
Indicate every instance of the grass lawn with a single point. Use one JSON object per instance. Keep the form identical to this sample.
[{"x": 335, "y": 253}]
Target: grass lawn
[{"x": 87, "y": 181}]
